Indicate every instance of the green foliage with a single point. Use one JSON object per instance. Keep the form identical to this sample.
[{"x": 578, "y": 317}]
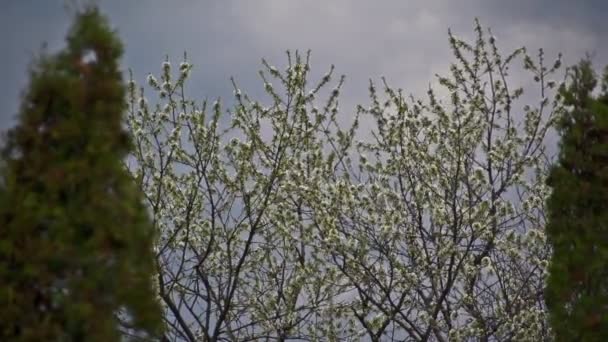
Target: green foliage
[
  {"x": 577, "y": 289},
  {"x": 76, "y": 256}
]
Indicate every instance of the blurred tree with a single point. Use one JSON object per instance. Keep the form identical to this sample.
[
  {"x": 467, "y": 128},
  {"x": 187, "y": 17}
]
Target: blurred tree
[
  {"x": 76, "y": 257},
  {"x": 577, "y": 289}
]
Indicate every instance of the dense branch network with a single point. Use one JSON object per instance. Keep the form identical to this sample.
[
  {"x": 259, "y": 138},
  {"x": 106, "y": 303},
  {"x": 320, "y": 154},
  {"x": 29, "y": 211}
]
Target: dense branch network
[{"x": 279, "y": 221}]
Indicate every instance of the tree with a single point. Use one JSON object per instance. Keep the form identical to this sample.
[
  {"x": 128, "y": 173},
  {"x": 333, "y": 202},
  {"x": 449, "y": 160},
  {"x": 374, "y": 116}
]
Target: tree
[
  {"x": 238, "y": 254},
  {"x": 76, "y": 243},
  {"x": 281, "y": 219},
  {"x": 577, "y": 289}
]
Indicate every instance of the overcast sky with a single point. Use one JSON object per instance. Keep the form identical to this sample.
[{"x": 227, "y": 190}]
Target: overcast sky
[{"x": 405, "y": 40}]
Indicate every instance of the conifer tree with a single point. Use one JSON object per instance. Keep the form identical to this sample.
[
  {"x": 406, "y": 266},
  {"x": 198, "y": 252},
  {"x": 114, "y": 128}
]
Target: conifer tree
[
  {"x": 76, "y": 258},
  {"x": 577, "y": 289}
]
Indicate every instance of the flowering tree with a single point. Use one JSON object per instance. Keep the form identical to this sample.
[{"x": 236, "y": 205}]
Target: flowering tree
[
  {"x": 441, "y": 235},
  {"x": 238, "y": 256},
  {"x": 277, "y": 223}
]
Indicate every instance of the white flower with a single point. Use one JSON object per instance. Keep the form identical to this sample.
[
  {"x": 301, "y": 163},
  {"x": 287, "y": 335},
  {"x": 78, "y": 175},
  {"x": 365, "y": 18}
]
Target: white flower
[
  {"x": 152, "y": 81},
  {"x": 184, "y": 66},
  {"x": 486, "y": 261}
]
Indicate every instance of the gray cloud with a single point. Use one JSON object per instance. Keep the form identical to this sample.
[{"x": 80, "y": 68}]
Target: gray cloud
[{"x": 404, "y": 40}]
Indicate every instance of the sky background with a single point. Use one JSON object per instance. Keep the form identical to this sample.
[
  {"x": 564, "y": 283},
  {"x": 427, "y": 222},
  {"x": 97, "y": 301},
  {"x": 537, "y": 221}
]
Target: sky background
[{"x": 404, "y": 40}]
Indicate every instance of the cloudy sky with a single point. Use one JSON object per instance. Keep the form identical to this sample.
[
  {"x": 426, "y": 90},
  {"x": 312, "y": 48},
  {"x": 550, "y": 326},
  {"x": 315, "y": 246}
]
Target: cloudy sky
[{"x": 404, "y": 40}]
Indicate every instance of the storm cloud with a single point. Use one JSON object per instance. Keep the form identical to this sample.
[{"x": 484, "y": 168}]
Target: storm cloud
[{"x": 406, "y": 41}]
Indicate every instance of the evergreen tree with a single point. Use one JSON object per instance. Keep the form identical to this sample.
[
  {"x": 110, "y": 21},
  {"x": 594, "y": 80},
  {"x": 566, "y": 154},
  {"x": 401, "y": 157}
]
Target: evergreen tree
[
  {"x": 75, "y": 239},
  {"x": 577, "y": 289}
]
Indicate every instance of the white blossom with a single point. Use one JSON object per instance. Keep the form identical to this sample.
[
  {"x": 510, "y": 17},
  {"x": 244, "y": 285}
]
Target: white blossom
[
  {"x": 296, "y": 222},
  {"x": 152, "y": 82}
]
